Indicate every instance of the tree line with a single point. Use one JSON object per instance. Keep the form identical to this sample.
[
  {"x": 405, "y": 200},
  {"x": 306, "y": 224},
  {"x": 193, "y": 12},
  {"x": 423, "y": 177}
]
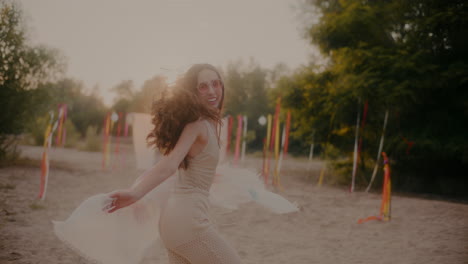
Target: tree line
[{"x": 405, "y": 57}]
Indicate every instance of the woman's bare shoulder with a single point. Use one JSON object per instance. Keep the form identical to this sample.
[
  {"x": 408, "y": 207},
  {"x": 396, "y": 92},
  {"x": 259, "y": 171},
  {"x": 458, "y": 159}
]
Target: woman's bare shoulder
[{"x": 196, "y": 126}]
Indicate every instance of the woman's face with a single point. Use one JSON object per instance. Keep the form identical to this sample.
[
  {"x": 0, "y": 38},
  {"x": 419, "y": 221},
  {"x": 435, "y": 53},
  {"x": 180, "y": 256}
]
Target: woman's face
[{"x": 210, "y": 87}]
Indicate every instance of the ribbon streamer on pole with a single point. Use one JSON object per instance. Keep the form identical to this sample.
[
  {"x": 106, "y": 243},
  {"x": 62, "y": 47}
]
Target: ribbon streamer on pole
[
  {"x": 385, "y": 206},
  {"x": 106, "y": 141},
  {"x": 60, "y": 124},
  {"x": 284, "y": 145},
  {"x": 378, "y": 153},
  {"x": 64, "y": 131},
  {"x": 62, "y": 108},
  {"x": 276, "y": 130},
  {"x": 277, "y": 148},
  {"x": 280, "y": 160},
  {"x": 113, "y": 118},
  {"x": 238, "y": 139},
  {"x": 45, "y": 155},
  {"x": 45, "y": 159},
  {"x": 117, "y": 144},
  {"x": 125, "y": 135},
  {"x": 363, "y": 124},
  {"x": 244, "y": 135},
  {"x": 355, "y": 155},
  {"x": 229, "y": 131},
  {"x": 266, "y": 169},
  {"x": 311, "y": 152},
  {"x": 288, "y": 128}
]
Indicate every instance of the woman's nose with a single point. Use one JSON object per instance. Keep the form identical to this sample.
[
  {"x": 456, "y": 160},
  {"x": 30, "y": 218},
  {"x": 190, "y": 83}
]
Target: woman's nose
[{"x": 211, "y": 89}]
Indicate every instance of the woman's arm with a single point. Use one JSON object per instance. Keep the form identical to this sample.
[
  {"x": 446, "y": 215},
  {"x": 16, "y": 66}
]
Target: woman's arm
[{"x": 161, "y": 171}]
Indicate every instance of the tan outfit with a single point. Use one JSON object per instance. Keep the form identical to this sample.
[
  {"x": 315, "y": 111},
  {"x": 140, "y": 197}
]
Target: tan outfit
[
  {"x": 184, "y": 226},
  {"x": 179, "y": 206}
]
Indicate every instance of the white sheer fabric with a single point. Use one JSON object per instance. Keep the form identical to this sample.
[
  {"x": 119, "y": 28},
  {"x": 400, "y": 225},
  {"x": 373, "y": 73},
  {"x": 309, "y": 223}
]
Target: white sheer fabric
[{"x": 123, "y": 237}]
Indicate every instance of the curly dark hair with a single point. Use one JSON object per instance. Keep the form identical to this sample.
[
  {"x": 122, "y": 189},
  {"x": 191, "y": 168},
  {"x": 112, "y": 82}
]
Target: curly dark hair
[{"x": 178, "y": 106}]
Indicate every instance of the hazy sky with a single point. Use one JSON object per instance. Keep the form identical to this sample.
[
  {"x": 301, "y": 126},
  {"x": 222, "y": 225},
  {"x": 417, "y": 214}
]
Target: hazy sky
[{"x": 107, "y": 41}]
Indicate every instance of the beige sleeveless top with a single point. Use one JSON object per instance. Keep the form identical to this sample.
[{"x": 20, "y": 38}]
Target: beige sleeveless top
[{"x": 201, "y": 169}]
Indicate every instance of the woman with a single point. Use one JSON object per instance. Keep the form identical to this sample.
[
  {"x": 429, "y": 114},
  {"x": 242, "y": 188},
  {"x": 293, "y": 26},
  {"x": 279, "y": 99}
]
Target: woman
[
  {"x": 186, "y": 131},
  {"x": 122, "y": 227}
]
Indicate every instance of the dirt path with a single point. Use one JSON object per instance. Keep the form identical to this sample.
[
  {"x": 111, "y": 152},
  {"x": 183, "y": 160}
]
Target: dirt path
[{"x": 324, "y": 231}]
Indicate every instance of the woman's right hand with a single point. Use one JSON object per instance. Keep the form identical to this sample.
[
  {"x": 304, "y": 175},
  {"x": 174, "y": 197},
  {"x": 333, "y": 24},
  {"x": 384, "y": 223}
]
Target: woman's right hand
[{"x": 120, "y": 199}]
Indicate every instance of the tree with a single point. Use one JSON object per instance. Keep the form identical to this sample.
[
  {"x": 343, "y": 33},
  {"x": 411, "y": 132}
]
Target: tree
[
  {"x": 406, "y": 56},
  {"x": 149, "y": 91},
  {"x": 22, "y": 69},
  {"x": 84, "y": 110},
  {"x": 235, "y": 92},
  {"x": 125, "y": 95},
  {"x": 247, "y": 94}
]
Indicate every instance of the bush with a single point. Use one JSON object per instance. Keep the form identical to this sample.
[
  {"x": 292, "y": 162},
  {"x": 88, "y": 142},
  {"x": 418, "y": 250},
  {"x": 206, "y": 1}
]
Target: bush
[
  {"x": 36, "y": 131},
  {"x": 341, "y": 168},
  {"x": 72, "y": 135},
  {"x": 92, "y": 140},
  {"x": 8, "y": 150}
]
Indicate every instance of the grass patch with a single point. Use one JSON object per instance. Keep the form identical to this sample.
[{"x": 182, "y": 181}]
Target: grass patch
[
  {"x": 92, "y": 140},
  {"x": 7, "y": 186},
  {"x": 23, "y": 162},
  {"x": 36, "y": 163},
  {"x": 37, "y": 206}
]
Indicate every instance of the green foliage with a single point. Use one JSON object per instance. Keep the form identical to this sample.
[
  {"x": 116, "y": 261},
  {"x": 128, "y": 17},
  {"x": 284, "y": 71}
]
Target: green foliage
[
  {"x": 143, "y": 99},
  {"x": 92, "y": 141},
  {"x": 72, "y": 135},
  {"x": 22, "y": 69},
  {"x": 140, "y": 101},
  {"x": 84, "y": 109},
  {"x": 37, "y": 128},
  {"x": 247, "y": 94},
  {"x": 37, "y": 206},
  {"x": 124, "y": 96},
  {"x": 10, "y": 152},
  {"x": 409, "y": 57}
]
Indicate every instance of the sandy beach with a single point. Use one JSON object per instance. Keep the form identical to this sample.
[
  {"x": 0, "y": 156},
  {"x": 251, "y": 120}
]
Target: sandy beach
[{"x": 325, "y": 230}]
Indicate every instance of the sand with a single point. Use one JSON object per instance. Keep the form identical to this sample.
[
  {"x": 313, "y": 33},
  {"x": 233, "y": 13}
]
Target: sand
[{"x": 324, "y": 231}]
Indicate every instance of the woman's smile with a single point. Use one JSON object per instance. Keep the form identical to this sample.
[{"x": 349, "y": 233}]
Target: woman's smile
[{"x": 210, "y": 87}]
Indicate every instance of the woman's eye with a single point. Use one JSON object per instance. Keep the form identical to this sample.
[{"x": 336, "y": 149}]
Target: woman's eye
[
  {"x": 203, "y": 87},
  {"x": 216, "y": 84}
]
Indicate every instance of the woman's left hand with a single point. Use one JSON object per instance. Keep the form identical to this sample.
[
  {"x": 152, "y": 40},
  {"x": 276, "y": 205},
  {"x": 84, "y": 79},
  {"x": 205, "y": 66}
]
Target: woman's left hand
[{"x": 120, "y": 199}]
